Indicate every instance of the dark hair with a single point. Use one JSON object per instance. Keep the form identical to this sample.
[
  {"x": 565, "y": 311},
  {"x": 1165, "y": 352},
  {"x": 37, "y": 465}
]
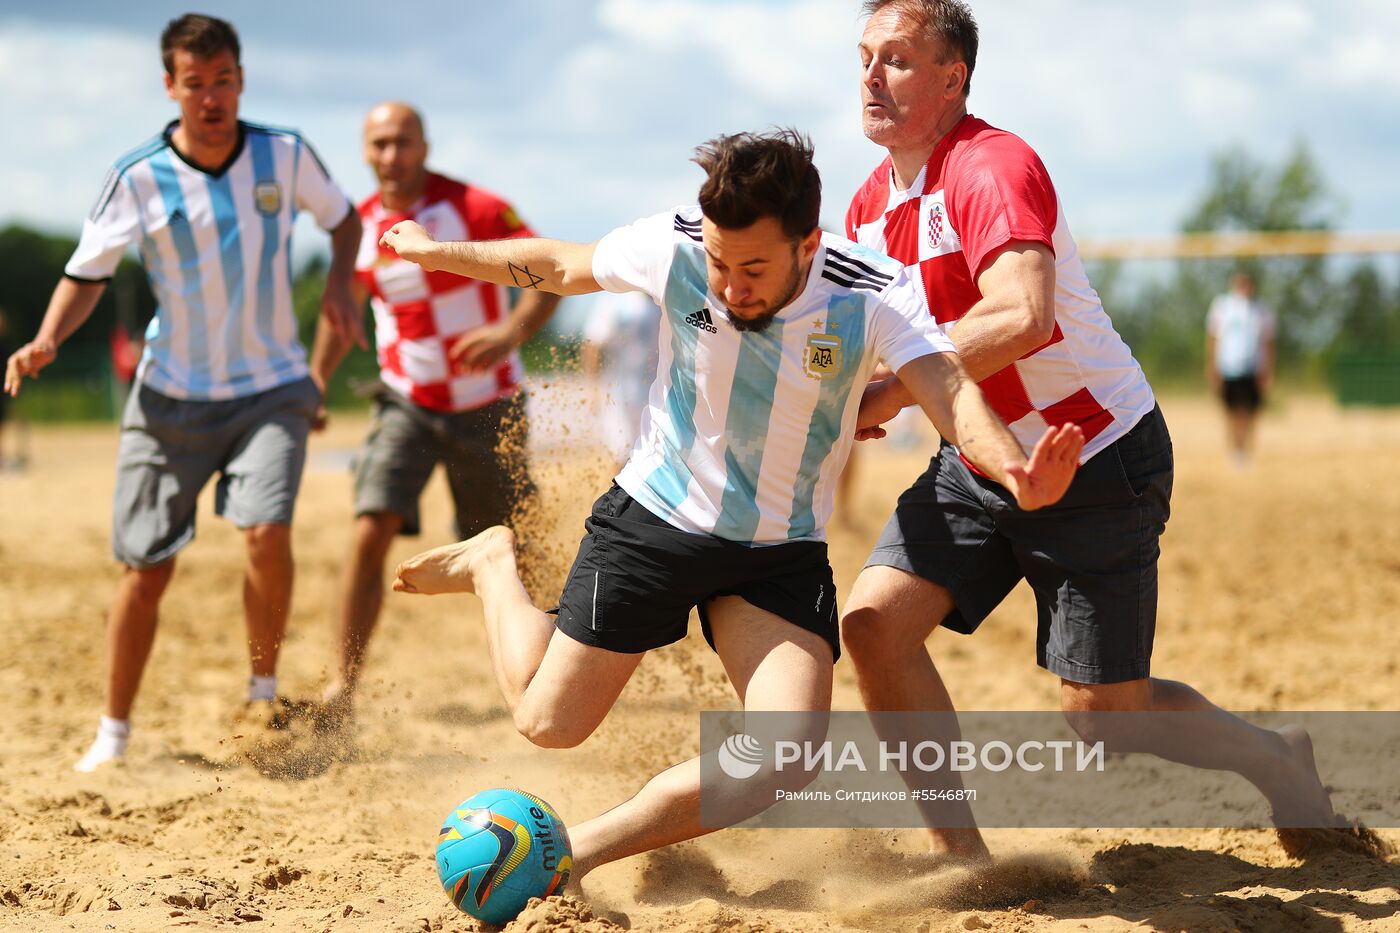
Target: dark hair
[
  {"x": 755, "y": 175},
  {"x": 949, "y": 22},
  {"x": 202, "y": 36}
]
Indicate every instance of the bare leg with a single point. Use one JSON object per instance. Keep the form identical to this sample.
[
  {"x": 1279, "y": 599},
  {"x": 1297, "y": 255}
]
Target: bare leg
[
  {"x": 267, "y": 593},
  {"x": 888, "y": 618},
  {"x": 361, "y": 595},
  {"x": 577, "y": 683},
  {"x": 1280, "y": 764},
  {"x": 774, "y": 665},
  {"x": 1239, "y": 424},
  {"x": 485, "y": 565},
  {"x": 131, "y": 631}
]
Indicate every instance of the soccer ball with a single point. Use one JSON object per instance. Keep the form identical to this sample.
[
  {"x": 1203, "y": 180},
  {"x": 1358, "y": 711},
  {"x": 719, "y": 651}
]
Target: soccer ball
[{"x": 499, "y": 848}]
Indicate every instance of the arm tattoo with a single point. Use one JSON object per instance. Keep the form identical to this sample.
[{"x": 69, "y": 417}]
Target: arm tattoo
[{"x": 523, "y": 277}]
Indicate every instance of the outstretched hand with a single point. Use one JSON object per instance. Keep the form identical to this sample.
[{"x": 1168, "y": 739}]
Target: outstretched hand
[
  {"x": 1043, "y": 479},
  {"x": 410, "y": 241},
  {"x": 27, "y": 361}
]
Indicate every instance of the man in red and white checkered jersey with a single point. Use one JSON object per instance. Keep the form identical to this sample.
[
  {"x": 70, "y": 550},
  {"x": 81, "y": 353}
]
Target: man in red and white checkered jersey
[
  {"x": 448, "y": 359},
  {"x": 971, "y": 210},
  {"x": 430, "y": 326},
  {"x": 981, "y": 191}
]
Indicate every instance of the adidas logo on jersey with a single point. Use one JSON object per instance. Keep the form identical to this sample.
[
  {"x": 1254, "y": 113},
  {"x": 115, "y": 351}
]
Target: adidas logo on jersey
[{"x": 702, "y": 320}]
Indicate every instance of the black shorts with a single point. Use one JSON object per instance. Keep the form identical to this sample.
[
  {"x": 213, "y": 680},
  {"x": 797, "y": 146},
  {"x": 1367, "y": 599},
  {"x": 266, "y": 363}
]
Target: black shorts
[
  {"x": 636, "y": 578},
  {"x": 1090, "y": 558},
  {"x": 1241, "y": 393}
]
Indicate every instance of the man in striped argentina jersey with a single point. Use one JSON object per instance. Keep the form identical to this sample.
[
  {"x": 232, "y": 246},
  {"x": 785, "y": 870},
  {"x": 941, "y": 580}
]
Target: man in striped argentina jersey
[
  {"x": 223, "y": 385},
  {"x": 770, "y": 331}
]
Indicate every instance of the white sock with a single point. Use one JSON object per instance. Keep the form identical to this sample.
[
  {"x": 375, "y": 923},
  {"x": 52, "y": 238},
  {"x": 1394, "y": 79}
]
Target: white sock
[
  {"x": 110, "y": 744},
  {"x": 262, "y": 688}
]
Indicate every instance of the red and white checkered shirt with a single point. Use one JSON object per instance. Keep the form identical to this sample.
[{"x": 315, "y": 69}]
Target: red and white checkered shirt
[
  {"x": 981, "y": 189},
  {"x": 418, "y": 315}
]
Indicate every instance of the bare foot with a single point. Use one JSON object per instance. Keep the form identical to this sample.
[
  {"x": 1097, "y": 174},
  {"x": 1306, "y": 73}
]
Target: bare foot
[
  {"x": 964, "y": 845},
  {"x": 947, "y": 848},
  {"x": 1304, "y": 818},
  {"x": 1300, "y": 799},
  {"x": 452, "y": 568}
]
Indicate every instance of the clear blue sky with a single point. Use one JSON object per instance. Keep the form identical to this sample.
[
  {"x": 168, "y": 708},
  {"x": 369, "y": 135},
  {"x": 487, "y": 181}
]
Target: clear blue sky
[{"x": 584, "y": 112}]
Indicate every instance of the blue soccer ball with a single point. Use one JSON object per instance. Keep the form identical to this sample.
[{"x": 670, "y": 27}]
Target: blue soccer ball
[{"x": 499, "y": 848}]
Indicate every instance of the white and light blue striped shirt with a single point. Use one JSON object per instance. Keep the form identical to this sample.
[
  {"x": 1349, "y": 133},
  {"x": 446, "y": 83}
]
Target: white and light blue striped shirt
[
  {"x": 217, "y": 248},
  {"x": 746, "y": 433}
]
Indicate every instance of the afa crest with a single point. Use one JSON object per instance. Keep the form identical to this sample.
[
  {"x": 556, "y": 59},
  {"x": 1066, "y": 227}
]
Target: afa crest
[
  {"x": 267, "y": 196},
  {"x": 822, "y": 358}
]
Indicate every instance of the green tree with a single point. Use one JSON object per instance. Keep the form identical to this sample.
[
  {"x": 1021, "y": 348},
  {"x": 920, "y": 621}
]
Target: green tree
[
  {"x": 307, "y": 287},
  {"x": 1368, "y": 313},
  {"x": 31, "y": 263}
]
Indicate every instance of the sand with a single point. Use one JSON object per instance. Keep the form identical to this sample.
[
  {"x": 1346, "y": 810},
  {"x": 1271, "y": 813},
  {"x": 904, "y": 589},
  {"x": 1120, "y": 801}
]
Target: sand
[{"x": 1280, "y": 584}]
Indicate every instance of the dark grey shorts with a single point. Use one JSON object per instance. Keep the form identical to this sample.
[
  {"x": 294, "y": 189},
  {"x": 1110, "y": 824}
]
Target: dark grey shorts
[
  {"x": 1091, "y": 558},
  {"x": 170, "y": 448},
  {"x": 482, "y": 450}
]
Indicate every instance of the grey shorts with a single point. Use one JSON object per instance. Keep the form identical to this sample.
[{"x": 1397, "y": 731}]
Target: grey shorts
[
  {"x": 1091, "y": 558},
  {"x": 171, "y": 447},
  {"x": 483, "y": 452}
]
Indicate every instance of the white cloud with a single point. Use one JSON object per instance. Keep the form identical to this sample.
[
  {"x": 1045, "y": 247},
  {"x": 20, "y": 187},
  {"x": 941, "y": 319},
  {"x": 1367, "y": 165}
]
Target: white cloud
[
  {"x": 1124, "y": 101},
  {"x": 60, "y": 111}
]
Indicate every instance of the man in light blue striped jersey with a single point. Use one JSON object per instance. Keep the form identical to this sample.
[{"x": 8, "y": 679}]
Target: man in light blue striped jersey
[
  {"x": 770, "y": 331},
  {"x": 223, "y": 385}
]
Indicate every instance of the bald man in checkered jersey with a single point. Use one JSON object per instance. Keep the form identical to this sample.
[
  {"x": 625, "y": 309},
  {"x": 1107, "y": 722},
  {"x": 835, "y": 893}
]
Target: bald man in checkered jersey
[
  {"x": 448, "y": 357},
  {"x": 972, "y": 213}
]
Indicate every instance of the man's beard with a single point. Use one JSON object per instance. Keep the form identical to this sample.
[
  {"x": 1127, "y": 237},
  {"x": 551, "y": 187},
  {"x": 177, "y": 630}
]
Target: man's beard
[
  {"x": 759, "y": 324},
  {"x": 752, "y": 325}
]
